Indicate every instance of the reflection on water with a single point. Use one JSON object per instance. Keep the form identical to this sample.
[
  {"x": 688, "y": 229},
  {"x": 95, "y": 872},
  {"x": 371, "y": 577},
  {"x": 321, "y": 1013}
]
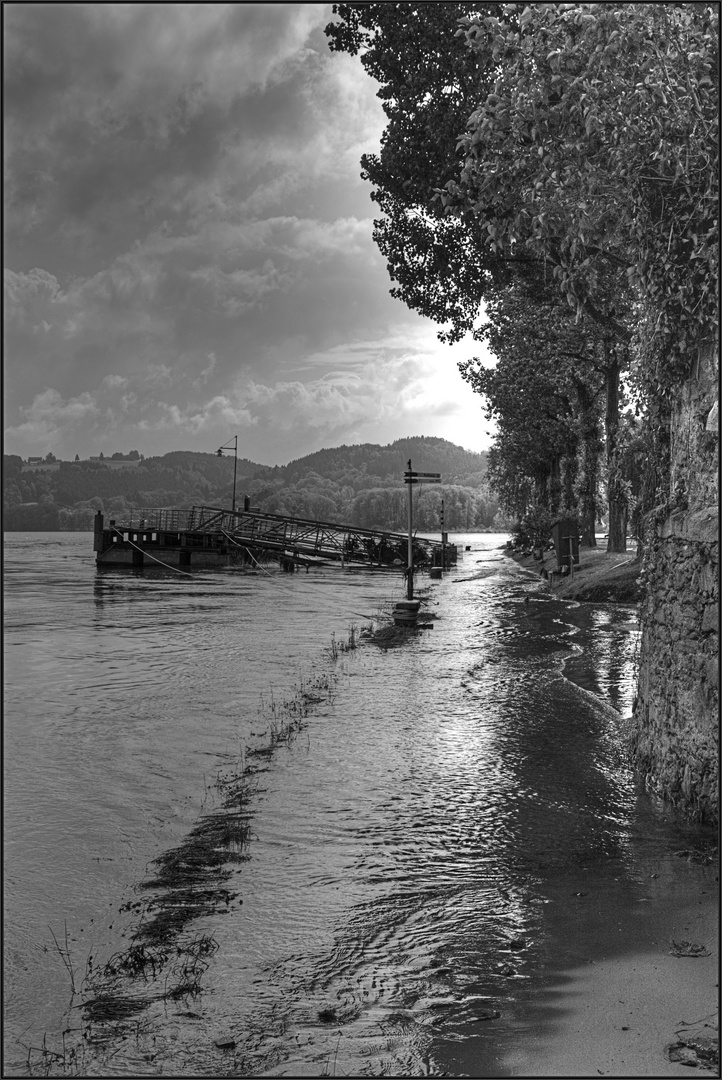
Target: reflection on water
[
  {"x": 421, "y": 851},
  {"x": 603, "y": 665}
]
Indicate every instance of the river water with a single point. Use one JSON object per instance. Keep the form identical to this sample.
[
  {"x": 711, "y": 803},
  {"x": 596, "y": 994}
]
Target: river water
[{"x": 425, "y": 835}]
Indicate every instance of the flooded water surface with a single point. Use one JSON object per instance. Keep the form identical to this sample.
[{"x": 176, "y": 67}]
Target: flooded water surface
[{"x": 237, "y": 845}]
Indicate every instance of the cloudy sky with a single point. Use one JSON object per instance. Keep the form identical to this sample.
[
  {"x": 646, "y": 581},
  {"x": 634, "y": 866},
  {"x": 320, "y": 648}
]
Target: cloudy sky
[{"x": 188, "y": 251}]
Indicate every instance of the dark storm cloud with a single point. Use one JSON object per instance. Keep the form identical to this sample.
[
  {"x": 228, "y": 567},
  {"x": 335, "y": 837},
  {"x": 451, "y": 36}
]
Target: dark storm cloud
[{"x": 188, "y": 240}]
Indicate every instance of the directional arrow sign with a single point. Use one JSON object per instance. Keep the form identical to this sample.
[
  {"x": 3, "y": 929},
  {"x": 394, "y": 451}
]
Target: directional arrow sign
[{"x": 422, "y": 477}]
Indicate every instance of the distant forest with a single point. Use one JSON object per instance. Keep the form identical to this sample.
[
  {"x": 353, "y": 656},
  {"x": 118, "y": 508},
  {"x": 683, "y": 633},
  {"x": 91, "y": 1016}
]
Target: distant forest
[{"x": 356, "y": 485}]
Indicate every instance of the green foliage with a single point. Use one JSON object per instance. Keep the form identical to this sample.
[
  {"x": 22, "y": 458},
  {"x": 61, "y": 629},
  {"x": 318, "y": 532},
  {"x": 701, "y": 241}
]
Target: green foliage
[
  {"x": 78, "y": 519},
  {"x": 582, "y": 175},
  {"x": 597, "y": 152},
  {"x": 465, "y": 508},
  {"x": 546, "y": 395},
  {"x": 31, "y": 517},
  {"x": 429, "y": 84},
  {"x": 359, "y": 464},
  {"x": 12, "y": 466},
  {"x": 323, "y": 486},
  {"x": 534, "y": 529}
]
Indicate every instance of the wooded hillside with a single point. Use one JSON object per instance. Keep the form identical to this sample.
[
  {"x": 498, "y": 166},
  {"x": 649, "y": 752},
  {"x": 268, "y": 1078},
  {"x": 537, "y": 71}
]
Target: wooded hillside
[{"x": 360, "y": 485}]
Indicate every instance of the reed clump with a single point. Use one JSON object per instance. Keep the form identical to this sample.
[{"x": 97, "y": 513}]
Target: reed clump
[
  {"x": 285, "y": 718},
  {"x": 108, "y": 1000},
  {"x": 351, "y": 642}
]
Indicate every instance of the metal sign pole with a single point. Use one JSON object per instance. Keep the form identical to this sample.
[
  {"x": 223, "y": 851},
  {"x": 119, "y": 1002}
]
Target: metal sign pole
[
  {"x": 409, "y": 479},
  {"x": 410, "y": 571},
  {"x": 235, "y": 467}
]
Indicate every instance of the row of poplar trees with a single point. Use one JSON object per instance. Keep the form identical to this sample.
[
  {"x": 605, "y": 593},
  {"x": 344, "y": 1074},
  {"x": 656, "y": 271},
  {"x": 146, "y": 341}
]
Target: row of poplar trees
[{"x": 547, "y": 184}]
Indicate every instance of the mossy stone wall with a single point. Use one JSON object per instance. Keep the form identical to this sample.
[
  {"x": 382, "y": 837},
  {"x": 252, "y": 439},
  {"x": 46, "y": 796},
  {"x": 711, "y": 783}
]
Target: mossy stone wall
[
  {"x": 676, "y": 714},
  {"x": 677, "y": 711}
]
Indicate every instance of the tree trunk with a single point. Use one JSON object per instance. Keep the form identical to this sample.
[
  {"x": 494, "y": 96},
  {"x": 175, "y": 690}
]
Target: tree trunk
[
  {"x": 590, "y": 446},
  {"x": 570, "y": 468},
  {"x": 616, "y": 493},
  {"x": 554, "y": 487},
  {"x": 541, "y": 490}
]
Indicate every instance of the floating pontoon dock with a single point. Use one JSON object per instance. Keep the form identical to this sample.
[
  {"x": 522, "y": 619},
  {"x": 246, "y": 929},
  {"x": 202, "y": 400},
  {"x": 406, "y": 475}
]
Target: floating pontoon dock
[{"x": 208, "y": 536}]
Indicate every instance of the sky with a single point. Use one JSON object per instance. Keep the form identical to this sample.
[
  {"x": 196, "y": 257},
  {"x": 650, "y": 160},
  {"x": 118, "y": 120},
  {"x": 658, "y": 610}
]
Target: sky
[{"x": 188, "y": 242}]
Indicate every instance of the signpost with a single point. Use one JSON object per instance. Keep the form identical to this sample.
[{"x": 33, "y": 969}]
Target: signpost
[
  {"x": 227, "y": 446},
  {"x": 411, "y": 478}
]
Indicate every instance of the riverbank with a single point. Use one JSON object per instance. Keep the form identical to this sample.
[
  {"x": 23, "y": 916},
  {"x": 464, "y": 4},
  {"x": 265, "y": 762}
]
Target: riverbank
[
  {"x": 601, "y": 577},
  {"x": 651, "y": 1010}
]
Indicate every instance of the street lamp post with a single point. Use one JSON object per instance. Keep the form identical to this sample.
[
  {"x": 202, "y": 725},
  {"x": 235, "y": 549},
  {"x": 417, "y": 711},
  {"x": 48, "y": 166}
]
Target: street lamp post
[{"x": 234, "y": 448}]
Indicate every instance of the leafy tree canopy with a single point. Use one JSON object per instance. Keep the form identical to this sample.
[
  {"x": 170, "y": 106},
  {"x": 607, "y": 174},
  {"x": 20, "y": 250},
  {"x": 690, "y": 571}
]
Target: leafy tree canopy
[
  {"x": 597, "y": 151},
  {"x": 430, "y": 82},
  {"x": 585, "y": 161}
]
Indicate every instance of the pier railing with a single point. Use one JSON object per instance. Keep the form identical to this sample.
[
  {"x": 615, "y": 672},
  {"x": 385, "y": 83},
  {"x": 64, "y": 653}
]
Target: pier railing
[
  {"x": 161, "y": 519},
  {"x": 277, "y": 532},
  {"x": 155, "y": 518}
]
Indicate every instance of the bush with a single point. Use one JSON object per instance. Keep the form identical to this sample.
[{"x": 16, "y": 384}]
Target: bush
[{"x": 533, "y": 530}]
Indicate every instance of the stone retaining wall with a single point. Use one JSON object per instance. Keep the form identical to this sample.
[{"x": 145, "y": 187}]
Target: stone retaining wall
[
  {"x": 677, "y": 710},
  {"x": 676, "y": 714},
  {"x": 694, "y": 435}
]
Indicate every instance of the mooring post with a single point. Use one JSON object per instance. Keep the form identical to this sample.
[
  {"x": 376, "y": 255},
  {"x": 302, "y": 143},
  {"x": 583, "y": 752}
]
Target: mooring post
[
  {"x": 98, "y": 532},
  {"x": 410, "y": 571}
]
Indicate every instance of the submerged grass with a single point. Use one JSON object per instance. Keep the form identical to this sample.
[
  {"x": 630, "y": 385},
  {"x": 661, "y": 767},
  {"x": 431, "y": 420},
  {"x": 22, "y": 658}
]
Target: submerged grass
[
  {"x": 165, "y": 961},
  {"x": 351, "y": 642},
  {"x": 389, "y": 637}
]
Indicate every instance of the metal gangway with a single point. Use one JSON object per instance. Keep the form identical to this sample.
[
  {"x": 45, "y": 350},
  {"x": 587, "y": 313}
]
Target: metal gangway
[{"x": 278, "y": 534}]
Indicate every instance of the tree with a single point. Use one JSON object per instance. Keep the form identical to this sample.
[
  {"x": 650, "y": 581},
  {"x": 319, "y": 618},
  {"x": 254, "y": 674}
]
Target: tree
[
  {"x": 616, "y": 128},
  {"x": 430, "y": 83},
  {"x": 77, "y": 457},
  {"x": 598, "y": 153},
  {"x": 548, "y": 382},
  {"x": 50, "y": 458},
  {"x": 12, "y": 466},
  {"x": 598, "y": 150},
  {"x": 442, "y": 261},
  {"x": 588, "y": 151}
]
